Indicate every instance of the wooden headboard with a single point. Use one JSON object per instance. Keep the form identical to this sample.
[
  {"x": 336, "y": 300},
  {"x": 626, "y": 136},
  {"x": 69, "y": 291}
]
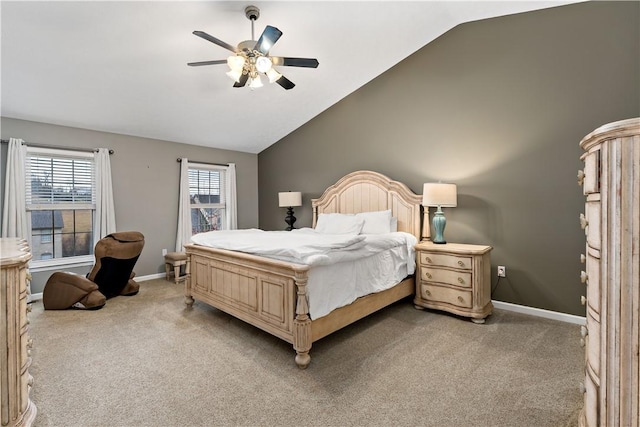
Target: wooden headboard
[{"x": 367, "y": 191}]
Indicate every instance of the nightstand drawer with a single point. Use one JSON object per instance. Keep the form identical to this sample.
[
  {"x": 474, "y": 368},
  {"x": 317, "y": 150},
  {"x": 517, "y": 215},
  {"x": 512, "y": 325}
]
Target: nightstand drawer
[
  {"x": 450, "y": 277},
  {"x": 445, "y": 260},
  {"x": 441, "y": 294}
]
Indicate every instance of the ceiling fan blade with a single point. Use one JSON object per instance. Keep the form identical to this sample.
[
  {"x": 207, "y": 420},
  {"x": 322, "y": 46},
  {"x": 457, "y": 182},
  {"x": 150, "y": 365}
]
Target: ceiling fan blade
[
  {"x": 269, "y": 37},
  {"x": 295, "y": 62},
  {"x": 285, "y": 83},
  {"x": 214, "y": 40},
  {"x": 215, "y": 62},
  {"x": 242, "y": 82}
]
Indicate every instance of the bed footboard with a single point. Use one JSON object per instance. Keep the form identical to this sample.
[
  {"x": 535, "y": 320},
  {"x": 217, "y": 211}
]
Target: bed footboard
[{"x": 268, "y": 294}]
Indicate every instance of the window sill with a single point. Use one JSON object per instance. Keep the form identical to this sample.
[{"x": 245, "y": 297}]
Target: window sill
[{"x": 57, "y": 264}]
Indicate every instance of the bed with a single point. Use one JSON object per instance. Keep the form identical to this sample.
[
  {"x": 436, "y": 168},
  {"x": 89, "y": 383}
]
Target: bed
[{"x": 273, "y": 295}]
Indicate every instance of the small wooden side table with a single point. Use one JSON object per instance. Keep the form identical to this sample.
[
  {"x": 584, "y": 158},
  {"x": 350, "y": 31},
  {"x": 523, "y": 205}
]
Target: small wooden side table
[{"x": 454, "y": 277}]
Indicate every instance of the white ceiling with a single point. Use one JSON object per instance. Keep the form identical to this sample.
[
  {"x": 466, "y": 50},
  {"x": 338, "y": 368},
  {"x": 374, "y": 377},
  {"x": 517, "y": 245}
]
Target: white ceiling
[{"x": 121, "y": 66}]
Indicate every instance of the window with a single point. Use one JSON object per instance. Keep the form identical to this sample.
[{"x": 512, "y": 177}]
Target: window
[
  {"x": 60, "y": 199},
  {"x": 207, "y": 197}
]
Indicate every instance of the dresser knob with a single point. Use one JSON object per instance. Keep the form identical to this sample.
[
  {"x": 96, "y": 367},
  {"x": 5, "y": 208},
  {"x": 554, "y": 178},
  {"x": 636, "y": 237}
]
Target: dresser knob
[
  {"x": 461, "y": 280},
  {"x": 583, "y": 300},
  {"x": 582, "y": 388},
  {"x": 427, "y": 259},
  {"x": 461, "y": 264},
  {"x": 584, "y": 331},
  {"x": 428, "y": 275},
  {"x": 584, "y": 277},
  {"x": 580, "y": 177},
  {"x": 583, "y": 221},
  {"x": 460, "y": 299},
  {"x": 582, "y": 343},
  {"x": 29, "y": 308},
  {"x": 582, "y": 258}
]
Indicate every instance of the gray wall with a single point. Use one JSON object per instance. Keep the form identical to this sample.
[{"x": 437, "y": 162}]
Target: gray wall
[
  {"x": 145, "y": 177},
  {"x": 498, "y": 107}
]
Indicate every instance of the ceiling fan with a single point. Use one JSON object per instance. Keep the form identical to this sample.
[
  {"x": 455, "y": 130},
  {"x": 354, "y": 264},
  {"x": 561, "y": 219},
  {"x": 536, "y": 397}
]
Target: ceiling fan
[{"x": 251, "y": 58}]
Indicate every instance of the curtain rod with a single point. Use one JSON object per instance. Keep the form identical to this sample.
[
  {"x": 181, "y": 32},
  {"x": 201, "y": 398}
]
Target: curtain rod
[
  {"x": 58, "y": 147},
  {"x": 179, "y": 160}
]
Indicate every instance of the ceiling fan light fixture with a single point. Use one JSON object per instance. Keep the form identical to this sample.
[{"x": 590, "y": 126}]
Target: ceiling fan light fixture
[
  {"x": 273, "y": 75},
  {"x": 235, "y": 75},
  {"x": 263, "y": 64},
  {"x": 255, "y": 82},
  {"x": 236, "y": 62}
]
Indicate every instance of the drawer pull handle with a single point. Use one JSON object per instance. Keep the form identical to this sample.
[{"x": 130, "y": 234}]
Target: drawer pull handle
[
  {"x": 583, "y": 221},
  {"x": 582, "y": 342},
  {"x": 461, "y": 280},
  {"x": 29, "y": 308},
  {"x": 30, "y": 343},
  {"x": 584, "y": 331},
  {"x": 583, "y": 300},
  {"x": 428, "y": 275},
  {"x": 580, "y": 177},
  {"x": 427, "y": 259},
  {"x": 427, "y": 293},
  {"x": 582, "y": 388},
  {"x": 584, "y": 277},
  {"x": 461, "y": 264},
  {"x": 460, "y": 299},
  {"x": 582, "y": 258}
]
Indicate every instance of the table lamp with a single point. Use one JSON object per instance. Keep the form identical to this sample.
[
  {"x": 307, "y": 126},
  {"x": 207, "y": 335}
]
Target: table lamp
[
  {"x": 289, "y": 199},
  {"x": 440, "y": 195}
]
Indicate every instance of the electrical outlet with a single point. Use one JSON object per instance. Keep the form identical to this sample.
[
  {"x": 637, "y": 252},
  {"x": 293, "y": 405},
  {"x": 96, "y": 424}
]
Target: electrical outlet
[
  {"x": 502, "y": 271},
  {"x": 164, "y": 252}
]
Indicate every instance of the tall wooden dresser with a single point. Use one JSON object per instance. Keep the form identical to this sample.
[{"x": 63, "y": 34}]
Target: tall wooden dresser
[
  {"x": 15, "y": 380},
  {"x": 611, "y": 184}
]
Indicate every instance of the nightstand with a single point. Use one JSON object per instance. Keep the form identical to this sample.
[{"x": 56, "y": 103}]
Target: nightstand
[{"x": 454, "y": 277}]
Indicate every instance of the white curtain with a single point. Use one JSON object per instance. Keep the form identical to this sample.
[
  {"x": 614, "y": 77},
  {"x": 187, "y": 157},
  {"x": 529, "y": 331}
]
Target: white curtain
[
  {"x": 105, "y": 220},
  {"x": 14, "y": 212},
  {"x": 231, "y": 203},
  {"x": 184, "y": 207}
]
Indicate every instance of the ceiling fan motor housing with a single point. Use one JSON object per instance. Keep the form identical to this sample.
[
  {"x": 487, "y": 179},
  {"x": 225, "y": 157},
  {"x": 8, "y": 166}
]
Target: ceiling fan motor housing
[{"x": 252, "y": 13}]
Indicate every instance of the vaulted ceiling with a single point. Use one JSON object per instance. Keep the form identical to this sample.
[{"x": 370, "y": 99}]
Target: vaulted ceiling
[{"x": 121, "y": 66}]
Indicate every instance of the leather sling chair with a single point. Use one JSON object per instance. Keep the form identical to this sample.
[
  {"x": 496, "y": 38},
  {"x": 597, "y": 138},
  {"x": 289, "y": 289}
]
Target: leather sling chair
[{"x": 112, "y": 275}]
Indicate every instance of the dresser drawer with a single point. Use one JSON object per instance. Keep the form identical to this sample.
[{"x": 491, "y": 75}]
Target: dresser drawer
[
  {"x": 591, "y": 173},
  {"x": 593, "y": 343},
  {"x": 455, "y": 297},
  {"x": 591, "y": 402},
  {"x": 593, "y": 226},
  {"x": 445, "y": 260},
  {"x": 449, "y": 277},
  {"x": 593, "y": 283}
]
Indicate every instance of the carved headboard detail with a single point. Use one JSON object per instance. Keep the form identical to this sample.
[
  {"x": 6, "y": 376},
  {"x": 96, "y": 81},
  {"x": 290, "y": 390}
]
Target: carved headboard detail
[{"x": 368, "y": 191}]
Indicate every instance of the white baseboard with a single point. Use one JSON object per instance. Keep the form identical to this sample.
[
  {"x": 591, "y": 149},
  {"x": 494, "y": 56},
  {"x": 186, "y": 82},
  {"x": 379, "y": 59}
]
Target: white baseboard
[
  {"x": 539, "y": 312},
  {"x": 149, "y": 277}
]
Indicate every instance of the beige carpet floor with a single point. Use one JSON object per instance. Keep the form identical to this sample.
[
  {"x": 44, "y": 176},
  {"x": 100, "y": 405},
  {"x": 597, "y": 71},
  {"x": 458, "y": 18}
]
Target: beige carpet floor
[{"x": 147, "y": 360}]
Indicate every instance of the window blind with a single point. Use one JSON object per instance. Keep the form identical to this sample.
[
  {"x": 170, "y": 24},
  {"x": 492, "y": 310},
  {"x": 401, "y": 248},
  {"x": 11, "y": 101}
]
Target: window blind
[{"x": 60, "y": 178}]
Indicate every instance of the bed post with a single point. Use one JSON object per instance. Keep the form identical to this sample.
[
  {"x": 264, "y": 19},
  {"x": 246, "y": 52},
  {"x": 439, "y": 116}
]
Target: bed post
[
  {"x": 188, "y": 299},
  {"x": 302, "y": 322}
]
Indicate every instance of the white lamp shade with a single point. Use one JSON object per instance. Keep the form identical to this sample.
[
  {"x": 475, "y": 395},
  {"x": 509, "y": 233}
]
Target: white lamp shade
[
  {"x": 289, "y": 199},
  {"x": 439, "y": 194}
]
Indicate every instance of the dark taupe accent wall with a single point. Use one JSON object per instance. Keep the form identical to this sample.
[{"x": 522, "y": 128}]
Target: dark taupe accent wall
[
  {"x": 498, "y": 107},
  {"x": 146, "y": 183}
]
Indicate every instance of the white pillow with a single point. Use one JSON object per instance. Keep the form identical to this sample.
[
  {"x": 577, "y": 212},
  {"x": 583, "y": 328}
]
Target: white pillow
[
  {"x": 376, "y": 222},
  {"x": 394, "y": 224},
  {"x": 335, "y": 223}
]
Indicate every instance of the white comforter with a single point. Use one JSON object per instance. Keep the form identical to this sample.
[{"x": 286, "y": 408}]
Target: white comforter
[{"x": 305, "y": 245}]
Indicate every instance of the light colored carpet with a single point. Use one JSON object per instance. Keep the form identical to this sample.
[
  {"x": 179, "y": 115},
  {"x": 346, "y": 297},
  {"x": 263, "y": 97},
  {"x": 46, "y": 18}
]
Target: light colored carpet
[{"x": 147, "y": 360}]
